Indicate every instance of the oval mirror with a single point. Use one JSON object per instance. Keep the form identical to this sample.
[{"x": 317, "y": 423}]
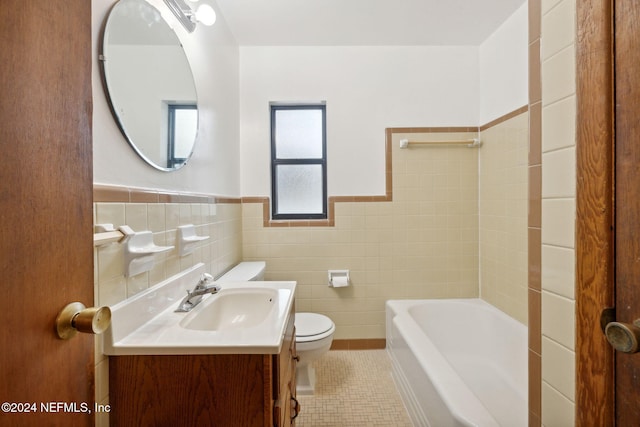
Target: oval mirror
[{"x": 149, "y": 84}]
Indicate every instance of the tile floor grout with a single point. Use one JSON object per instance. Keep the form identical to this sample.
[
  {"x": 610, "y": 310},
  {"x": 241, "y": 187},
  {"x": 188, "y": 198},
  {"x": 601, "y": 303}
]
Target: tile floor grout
[{"x": 353, "y": 389}]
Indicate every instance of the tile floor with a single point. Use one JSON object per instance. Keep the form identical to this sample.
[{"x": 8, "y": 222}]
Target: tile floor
[{"x": 353, "y": 389}]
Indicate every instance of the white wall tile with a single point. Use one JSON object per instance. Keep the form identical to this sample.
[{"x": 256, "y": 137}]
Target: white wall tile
[
  {"x": 558, "y": 27},
  {"x": 557, "y": 410},
  {"x": 558, "y": 222},
  {"x": 558, "y": 270},
  {"x": 558, "y": 367},
  {"x": 558, "y": 76},
  {"x": 547, "y": 5},
  {"x": 559, "y": 124},
  {"x": 558, "y": 319},
  {"x": 559, "y": 173}
]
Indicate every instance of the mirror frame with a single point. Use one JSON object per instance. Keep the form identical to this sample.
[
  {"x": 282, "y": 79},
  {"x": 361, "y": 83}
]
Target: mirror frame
[{"x": 105, "y": 86}]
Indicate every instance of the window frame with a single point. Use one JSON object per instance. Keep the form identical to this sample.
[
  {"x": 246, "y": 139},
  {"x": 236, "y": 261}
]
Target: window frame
[
  {"x": 275, "y": 161},
  {"x": 172, "y": 160}
]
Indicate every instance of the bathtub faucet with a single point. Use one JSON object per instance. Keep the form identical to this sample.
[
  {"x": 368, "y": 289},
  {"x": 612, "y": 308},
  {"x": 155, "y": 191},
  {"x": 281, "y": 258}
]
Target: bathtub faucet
[{"x": 194, "y": 297}]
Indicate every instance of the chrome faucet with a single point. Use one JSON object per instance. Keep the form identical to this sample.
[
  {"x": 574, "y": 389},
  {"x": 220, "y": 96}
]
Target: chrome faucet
[{"x": 194, "y": 297}]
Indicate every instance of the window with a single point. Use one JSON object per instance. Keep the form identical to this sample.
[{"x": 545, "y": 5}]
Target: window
[
  {"x": 183, "y": 127},
  {"x": 298, "y": 161}
]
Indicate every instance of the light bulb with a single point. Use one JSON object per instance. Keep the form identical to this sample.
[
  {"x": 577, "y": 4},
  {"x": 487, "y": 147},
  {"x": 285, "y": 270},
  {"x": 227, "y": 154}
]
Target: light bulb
[{"x": 206, "y": 14}]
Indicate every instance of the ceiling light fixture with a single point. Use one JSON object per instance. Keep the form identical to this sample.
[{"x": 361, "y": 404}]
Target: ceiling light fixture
[{"x": 188, "y": 18}]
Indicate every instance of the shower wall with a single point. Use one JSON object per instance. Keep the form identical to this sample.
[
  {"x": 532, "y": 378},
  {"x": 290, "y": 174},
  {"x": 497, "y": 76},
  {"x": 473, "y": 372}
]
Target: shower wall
[{"x": 503, "y": 210}]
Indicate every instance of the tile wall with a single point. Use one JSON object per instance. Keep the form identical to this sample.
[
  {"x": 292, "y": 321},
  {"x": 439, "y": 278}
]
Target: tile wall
[
  {"x": 421, "y": 244},
  {"x": 503, "y": 207},
  {"x": 535, "y": 216},
  {"x": 160, "y": 213},
  {"x": 558, "y": 184}
]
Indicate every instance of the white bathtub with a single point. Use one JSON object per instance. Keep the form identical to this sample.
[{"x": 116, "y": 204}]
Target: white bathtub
[{"x": 458, "y": 362}]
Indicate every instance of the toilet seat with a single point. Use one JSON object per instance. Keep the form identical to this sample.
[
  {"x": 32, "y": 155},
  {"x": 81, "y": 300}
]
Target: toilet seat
[{"x": 313, "y": 327}]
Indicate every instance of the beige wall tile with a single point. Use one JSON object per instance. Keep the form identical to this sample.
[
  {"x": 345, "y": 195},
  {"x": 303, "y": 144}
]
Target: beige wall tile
[
  {"x": 503, "y": 211},
  {"x": 156, "y": 217},
  {"x": 136, "y": 216},
  {"x": 110, "y": 213},
  {"x": 222, "y": 250},
  {"x": 422, "y": 244},
  {"x": 111, "y": 291},
  {"x": 110, "y": 262}
]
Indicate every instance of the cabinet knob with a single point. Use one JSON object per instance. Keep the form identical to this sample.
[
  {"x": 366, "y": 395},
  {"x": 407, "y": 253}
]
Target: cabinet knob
[{"x": 75, "y": 317}]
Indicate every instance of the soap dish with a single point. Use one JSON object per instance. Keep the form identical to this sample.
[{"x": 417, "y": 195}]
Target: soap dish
[
  {"x": 187, "y": 239},
  {"x": 139, "y": 250}
]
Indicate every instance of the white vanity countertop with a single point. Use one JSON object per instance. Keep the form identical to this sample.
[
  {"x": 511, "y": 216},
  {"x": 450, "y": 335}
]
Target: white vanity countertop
[{"x": 148, "y": 324}]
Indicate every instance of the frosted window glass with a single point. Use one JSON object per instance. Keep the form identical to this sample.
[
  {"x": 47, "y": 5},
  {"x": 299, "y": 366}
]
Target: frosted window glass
[
  {"x": 299, "y": 189},
  {"x": 298, "y": 134},
  {"x": 186, "y": 127}
]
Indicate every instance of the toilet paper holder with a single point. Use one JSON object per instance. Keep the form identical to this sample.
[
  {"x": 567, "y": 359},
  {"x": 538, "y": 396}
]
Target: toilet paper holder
[{"x": 339, "y": 278}]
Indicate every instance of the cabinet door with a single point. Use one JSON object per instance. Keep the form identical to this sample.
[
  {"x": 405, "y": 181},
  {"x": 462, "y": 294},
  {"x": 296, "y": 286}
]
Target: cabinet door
[
  {"x": 295, "y": 405},
  {"x": 285, "y": 377}
]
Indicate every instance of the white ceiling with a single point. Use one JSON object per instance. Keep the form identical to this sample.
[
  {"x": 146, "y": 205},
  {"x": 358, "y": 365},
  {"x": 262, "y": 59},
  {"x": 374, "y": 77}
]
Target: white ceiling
[{"x": 364, "y": 22}]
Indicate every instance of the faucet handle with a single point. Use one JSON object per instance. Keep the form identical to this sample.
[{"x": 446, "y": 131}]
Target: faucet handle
[{"x": 205, "y": 279}]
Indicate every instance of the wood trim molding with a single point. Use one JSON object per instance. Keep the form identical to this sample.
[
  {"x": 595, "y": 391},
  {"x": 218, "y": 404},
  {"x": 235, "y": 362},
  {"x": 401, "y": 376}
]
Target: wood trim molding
[
  {"x": 534, "y": 220},
  {"x": 120, "y": 194},
  {"x": 331, "y": 217},
  {"x": 388, "y": 196},
  {"x": 595, "y": 395},
  {"x": 504, "y": 118},
  {"x": 124, "y": 194},
  {"x": 359, "y": 344}
]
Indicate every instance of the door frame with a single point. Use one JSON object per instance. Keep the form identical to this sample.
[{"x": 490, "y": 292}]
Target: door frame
[{"x": 595, "y": 262}]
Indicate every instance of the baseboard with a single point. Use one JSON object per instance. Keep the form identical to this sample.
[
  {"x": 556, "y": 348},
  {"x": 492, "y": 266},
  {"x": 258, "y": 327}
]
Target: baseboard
[{"x": 359, "y": 344}]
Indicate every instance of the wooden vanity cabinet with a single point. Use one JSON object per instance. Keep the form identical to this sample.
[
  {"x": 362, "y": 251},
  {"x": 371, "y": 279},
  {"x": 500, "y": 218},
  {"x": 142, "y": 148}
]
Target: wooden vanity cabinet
[
  {"x": 223, "y": 390},
  {"x": 286, "y": 406}
]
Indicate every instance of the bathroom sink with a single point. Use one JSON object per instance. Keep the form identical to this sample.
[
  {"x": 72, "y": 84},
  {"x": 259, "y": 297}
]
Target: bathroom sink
[
  {"x": 235, "y": 308},
  {"x": 242, "y": 318}
]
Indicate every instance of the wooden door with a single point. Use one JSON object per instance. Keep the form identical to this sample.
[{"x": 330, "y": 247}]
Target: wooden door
[
  {"x": 46, "y": 253},
  {"x": 627, "y": 205}
]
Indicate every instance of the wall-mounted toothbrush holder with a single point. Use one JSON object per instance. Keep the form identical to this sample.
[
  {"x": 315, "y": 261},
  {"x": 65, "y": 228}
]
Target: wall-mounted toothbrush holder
[
  {"x": 105, "y": 234},
  {"x": 187, "y": 239},
  {"x": 139, "y": 251},
  {"x": 339, "y": 278}
]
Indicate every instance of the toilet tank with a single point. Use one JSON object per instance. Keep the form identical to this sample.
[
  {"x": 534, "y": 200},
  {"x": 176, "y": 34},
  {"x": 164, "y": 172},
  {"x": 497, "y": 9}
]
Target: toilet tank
[{"x": 245, "y": 271}]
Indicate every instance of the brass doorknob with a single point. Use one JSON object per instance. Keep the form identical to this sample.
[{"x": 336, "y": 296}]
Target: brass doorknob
[
  {"x": 624, "y": 337},
  {"x": 75, "y": 317}
]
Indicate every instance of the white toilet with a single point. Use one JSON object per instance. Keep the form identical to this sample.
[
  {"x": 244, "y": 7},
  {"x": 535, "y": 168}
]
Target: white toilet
[{"x": 314, "y": 332}]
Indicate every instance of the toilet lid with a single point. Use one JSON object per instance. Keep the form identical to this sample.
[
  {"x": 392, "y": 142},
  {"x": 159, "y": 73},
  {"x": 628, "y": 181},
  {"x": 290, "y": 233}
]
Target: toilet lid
[{"x": 310, "y": 324}]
